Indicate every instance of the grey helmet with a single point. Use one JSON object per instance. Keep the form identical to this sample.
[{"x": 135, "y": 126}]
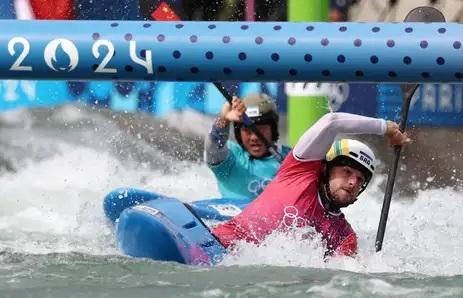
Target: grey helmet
[{"x": 261, "y": 109}]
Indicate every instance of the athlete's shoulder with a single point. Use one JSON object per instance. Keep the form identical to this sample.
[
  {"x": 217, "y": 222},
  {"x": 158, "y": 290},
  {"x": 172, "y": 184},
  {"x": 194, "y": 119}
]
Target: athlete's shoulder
[
  {"x": 304, "y": 171},
  {"x": 292, "y": 161},
  {"x": 225, "y": 167}
]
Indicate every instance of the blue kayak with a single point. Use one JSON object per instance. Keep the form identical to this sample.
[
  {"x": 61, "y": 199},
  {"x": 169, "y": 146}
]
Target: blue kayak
[{"x": 154, "y": 226}]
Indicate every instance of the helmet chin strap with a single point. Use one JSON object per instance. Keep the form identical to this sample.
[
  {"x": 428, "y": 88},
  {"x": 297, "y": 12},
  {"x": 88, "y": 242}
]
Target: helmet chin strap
[
  {"x": 327, "y": 202},
  {"x": 327, "y": 197}
]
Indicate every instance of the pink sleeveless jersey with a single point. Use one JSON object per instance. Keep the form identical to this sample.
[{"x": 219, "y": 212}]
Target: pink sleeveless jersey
[{"x": 290, "y": 200}]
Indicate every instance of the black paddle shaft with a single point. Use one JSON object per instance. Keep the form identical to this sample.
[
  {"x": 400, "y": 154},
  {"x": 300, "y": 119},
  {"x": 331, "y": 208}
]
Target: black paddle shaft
[
  {"x": 419, "y": 14},
  {"x": 393, "y": 170},
  {"x": 251, "y": 125}
]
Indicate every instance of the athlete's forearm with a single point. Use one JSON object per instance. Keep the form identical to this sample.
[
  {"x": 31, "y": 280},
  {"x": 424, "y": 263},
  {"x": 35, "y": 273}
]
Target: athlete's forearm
[
  {"x": 215, "y": 146},
  {"x": 317, "y": 140}
]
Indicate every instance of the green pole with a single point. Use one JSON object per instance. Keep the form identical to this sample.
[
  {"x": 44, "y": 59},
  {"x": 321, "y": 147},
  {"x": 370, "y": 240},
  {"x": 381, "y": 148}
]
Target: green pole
[{"x": 307, "y": 102}]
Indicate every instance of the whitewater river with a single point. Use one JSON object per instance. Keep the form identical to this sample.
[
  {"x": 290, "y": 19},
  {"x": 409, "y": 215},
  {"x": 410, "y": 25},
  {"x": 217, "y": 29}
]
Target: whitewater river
[{"x": 56, "y": 167}]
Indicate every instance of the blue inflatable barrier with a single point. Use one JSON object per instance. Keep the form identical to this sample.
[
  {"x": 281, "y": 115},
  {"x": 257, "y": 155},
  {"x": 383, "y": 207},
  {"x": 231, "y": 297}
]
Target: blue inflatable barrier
[{"x": 245, "y": 51}]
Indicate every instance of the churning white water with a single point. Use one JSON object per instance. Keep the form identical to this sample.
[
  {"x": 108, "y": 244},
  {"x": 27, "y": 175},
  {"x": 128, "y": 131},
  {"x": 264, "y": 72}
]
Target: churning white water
[
  {"x": 423, "y": 236},
  {"x": 52, "y": 203}
]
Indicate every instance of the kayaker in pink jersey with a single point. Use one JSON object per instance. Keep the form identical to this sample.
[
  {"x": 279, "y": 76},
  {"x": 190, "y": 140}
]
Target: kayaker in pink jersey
[{"x": 318, "y": 178}]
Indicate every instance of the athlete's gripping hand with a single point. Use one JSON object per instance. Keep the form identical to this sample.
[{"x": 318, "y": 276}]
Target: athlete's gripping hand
[
  {"x": 233, "y": 112},
  {"x": 394, "y": 135}
]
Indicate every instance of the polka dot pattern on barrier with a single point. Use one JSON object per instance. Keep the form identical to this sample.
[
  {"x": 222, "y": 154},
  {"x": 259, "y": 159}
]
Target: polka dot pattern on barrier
[
  {"x": 341, "y": 56},
  {"x": 269, "y": 51}
]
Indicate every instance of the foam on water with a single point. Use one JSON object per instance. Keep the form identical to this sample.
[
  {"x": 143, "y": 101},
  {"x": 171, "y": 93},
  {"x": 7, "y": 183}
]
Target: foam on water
[
  {"x": 54, "y": 204},
  {"x": 423, "y": 236}
]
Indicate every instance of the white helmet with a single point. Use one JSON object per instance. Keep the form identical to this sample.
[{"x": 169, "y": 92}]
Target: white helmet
[{"x": 355, "y": 154}]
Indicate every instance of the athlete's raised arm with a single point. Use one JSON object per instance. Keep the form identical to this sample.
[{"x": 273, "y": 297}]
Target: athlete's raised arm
[
  {"x": 215, "y": 147},
  {"x": 316, "y": 141}
]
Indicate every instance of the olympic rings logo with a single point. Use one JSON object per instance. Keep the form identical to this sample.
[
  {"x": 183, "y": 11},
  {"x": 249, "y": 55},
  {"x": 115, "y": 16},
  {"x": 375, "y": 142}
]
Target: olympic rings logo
[
  {"x": 291, "y": 218},
  {"x": 257, "y": 186}
]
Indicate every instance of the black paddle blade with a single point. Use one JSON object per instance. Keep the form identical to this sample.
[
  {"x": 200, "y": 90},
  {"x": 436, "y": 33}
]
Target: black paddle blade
[
  {"x": 420, "y": 14},
  {"x": 425, "y": 14}
]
